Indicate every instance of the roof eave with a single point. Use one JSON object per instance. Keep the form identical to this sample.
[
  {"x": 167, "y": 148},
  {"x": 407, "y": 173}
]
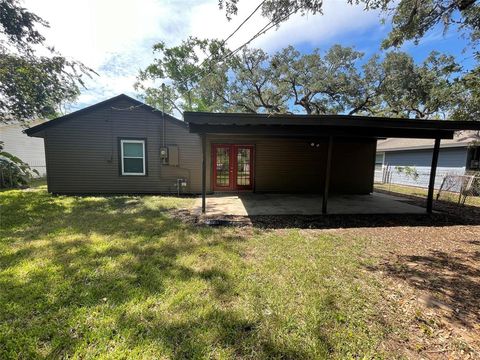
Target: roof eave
[
  {"x": 423, "y": 147},
  {"x": 321, "y": 131},
  {"x": 237, "y": 119},
  {"x": 35, "y": 129}
]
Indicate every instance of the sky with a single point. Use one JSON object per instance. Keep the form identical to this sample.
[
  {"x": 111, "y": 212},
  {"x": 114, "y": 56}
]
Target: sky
[{"x": 115, "y": 37}]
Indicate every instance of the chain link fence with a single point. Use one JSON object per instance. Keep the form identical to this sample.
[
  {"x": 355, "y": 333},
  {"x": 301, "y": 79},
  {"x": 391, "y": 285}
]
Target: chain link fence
[
  {"x": 452, "y": 187},
  {"x": 14, "y": 173},
  {"x": 460, "y": 186}
]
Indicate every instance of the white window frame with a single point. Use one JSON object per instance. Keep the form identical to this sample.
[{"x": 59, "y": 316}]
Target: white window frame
[
  {"x": 383, "y": 160},
  {"x": 127, "y": 141}
]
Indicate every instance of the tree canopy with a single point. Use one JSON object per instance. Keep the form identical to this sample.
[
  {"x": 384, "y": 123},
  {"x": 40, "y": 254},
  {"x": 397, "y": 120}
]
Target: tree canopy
[
  {"x": 203, "y": 75},
  {"x": 410, "y": 19},
  {"x": 30, "y": 85},
  {"x": 468, "y": 107},
  {"x": 339, "y": 80},
  {"x": 182, "y": 67}
]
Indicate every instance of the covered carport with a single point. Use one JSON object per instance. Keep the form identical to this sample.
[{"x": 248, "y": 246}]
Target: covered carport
[{"x": 329, "y": 130}]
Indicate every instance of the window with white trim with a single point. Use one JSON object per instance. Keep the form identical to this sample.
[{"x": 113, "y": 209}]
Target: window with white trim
[
  {"x": 379, "y": 161},
  {"x": 132, "y": 157}
]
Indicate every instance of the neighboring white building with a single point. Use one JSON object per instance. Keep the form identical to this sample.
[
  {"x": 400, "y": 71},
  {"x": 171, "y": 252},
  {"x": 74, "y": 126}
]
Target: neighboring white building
[
  {"x": 457, "y": 156},
  {"x": 28, "y": 149}
]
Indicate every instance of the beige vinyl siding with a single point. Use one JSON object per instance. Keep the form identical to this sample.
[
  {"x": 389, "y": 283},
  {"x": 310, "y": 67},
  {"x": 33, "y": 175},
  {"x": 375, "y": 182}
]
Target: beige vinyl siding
[
  {"x": 83, "y": 152},
  {"x": 30, "y": 150}
]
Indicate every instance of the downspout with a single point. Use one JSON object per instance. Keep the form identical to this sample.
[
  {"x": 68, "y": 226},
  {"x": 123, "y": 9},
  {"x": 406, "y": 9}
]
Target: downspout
[
  {"x": 204, "y": 171},
  {"x": 163, "y": 114},
  {"x": 164, "y": 130}
]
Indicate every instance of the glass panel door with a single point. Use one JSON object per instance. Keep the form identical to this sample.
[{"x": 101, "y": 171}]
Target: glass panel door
[
  {"x": 222, "y": 166},
  {"x": 232, "y": 167},
  {"x": 244, "y": 167}
]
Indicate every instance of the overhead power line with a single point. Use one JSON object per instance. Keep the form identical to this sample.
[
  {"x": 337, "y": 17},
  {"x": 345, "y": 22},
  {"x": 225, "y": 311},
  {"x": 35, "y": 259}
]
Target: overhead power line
[
  {"x": 263, "y": 30},
  {"x": 271, "y": 24},
  {"x": 184, "y": 82},
  {"x": 236, "y": 30},
  {"x": 244, "y": 21}
]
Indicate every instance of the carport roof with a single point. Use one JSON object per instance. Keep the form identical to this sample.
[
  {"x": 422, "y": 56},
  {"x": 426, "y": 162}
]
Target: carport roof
[{"x": 337, "y": 125}]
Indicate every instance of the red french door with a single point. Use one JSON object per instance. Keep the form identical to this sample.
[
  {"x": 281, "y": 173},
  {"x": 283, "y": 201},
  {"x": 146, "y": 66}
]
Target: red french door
[{"x": 232, "y": 167}]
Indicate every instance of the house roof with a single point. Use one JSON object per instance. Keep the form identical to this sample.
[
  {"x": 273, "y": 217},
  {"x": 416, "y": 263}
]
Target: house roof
[
  {"x": 461, "y": 139},
  {"x": 135, "y": 104},
  {"x": 318, "y": 125}
]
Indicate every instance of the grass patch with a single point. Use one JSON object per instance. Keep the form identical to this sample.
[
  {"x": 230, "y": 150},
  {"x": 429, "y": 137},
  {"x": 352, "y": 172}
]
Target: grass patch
[
  {"x": 422, "y": 193},
  {"x": 118, "y": 277},
  {"x": 37, "y": 182}
]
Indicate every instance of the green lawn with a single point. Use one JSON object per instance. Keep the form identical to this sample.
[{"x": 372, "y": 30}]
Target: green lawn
[{"x": 118, "y": 277}]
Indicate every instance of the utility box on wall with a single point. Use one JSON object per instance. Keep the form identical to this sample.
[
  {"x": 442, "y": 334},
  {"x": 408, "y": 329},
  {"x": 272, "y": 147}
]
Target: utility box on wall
[
  {"x": 173, "y": 155},
  {"x": 169, "y": 155}
]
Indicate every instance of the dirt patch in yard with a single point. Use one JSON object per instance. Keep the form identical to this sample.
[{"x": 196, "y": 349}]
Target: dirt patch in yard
[
  {"x": 431, "y": 280},
  {"x": 467, "y": 212}
]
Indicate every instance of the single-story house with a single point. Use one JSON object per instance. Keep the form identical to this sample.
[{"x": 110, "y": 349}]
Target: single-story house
[
  {"x": 119, "y": 146},
  {"x": 457, "y": 156},
  {"x": 29, "y": 150},
  {"x": 124, "y": 146}
]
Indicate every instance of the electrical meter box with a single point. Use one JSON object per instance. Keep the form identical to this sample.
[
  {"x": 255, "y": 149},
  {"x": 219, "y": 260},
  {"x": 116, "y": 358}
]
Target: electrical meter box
[{"x": 164, "y": 154}]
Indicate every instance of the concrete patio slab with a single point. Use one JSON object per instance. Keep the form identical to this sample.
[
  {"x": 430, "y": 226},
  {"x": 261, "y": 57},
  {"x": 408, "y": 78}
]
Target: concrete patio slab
[{"x": 249, "y": 204}]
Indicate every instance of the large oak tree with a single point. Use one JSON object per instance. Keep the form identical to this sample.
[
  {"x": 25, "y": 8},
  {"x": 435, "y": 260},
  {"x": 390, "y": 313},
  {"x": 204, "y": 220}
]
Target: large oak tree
[
  {"x": 410, "y": 20},
  {"x": 204, "y": 75}
]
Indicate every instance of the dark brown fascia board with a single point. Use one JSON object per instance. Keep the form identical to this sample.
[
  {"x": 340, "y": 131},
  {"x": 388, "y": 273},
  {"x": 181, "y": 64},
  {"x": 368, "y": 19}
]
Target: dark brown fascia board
[
  {"x": 244, "y": 119},
  {"x": 319, "y": 131},
  {"x": 35, "y": 129}
]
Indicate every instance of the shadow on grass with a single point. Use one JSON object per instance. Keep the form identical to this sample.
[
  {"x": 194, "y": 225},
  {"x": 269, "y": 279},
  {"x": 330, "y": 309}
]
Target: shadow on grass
[
  {"x": 75, "y": 262},
  {"x": 187, "y": 339},
  {"x": 451, "y": 281}
]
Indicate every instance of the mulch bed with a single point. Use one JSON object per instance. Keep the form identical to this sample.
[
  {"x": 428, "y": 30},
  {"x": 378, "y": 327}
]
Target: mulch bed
[{"x": 328, "y": 221}]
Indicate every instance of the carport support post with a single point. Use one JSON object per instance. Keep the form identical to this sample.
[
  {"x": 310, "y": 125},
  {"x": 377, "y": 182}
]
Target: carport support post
[
  {"x": 204, "y": 171},
  {"x": 433, "y": 172},
  {"x": 327, "y": 175}
]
